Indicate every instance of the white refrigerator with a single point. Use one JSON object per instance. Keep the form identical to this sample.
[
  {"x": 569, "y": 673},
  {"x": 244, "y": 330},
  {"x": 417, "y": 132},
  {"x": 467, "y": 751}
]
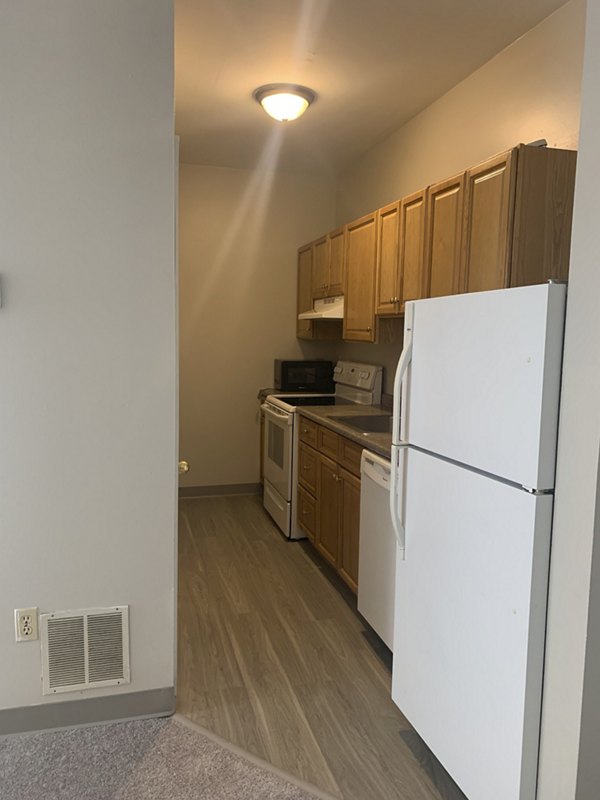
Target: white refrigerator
[{"x": 476, "y": 401}]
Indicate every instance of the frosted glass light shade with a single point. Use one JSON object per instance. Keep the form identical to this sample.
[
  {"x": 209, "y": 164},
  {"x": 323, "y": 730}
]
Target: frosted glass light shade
[{"x": 284, "y": 101}]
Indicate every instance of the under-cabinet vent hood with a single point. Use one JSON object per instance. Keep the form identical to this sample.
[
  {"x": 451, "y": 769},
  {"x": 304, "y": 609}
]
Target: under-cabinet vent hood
[{"x": 328, "y": 308}]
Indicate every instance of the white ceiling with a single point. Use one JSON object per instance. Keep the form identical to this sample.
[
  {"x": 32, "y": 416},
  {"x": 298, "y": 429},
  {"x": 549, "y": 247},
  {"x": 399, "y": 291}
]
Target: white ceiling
[{"x": 373, "y": 63}]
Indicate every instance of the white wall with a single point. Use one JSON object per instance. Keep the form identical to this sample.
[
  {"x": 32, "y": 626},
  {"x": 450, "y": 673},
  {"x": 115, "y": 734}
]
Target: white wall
[
  {"x": 531, "y": 90},
  {"x": 87, "y": 326},
  {"x": 570, "y": 766},
  {"x": 239, "y": 232}
]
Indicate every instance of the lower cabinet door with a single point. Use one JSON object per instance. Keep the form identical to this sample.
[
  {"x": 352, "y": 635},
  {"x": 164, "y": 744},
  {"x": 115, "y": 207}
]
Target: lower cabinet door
[
  {"x": 307, "y": 513},
  {"x": 327, "y": 538},
  {"x": 349, "y": 494}
]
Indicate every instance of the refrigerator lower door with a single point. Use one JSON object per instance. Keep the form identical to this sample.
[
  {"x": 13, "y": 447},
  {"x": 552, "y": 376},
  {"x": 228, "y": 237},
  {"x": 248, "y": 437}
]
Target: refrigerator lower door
[{"x": 469, "y": 624}]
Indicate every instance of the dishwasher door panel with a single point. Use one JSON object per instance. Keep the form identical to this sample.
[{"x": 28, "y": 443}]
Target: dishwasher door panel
[{"x": 377, "y": 548}]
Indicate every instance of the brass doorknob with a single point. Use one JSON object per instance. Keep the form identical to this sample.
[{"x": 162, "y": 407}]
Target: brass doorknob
[{"x": 183, "y": 467}]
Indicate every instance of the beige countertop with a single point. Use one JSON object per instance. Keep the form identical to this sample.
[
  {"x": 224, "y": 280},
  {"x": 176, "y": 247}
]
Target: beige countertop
[{"x": 380, "y": 443}]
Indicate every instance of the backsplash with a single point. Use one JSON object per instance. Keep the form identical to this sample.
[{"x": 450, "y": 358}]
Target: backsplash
[{"x": 385, "y": 352}]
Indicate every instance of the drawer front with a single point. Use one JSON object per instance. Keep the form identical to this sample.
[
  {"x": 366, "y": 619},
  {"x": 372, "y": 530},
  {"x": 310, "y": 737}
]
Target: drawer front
[
  {"x": 328, "y": 442},
  {"x": 307, "y": 513},
  {"x": 349, "y": 454},
  {"x": 308, "y": 431},
  {"x": 307, "y": 468}
]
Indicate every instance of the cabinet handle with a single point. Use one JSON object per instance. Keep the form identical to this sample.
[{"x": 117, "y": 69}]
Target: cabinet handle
[
  {"x": 304, "y": 430},
  {"x": 305, "y": 512},
  {"x": 305, "y": 466}
]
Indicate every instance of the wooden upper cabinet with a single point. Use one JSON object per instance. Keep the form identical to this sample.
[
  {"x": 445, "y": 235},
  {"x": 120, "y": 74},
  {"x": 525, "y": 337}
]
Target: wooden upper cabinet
[
  {"x": 518, "y": 215},
  {"x": 443, "y": 238},
  {"x": 320, "y": 269},
  {"x": 505, "y": 222},
  {"x": 388, "y": 276},
  {"x": 304, "y": 328},
  {"x": 545, "y": 188},
  {"x": 411, "y": 257},
  {"x": 328, "y": 265},
  {"x": 336, "y": 262},
  {"x": 359, "y": 279},
  {"x": 487, "y": 234}
]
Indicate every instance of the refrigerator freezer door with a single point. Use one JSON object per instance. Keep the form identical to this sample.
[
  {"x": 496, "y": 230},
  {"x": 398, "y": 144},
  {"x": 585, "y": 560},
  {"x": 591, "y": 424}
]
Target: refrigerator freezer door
[
  {"x": 483, "y": 385},
  {"x": 469, "y": 624}
]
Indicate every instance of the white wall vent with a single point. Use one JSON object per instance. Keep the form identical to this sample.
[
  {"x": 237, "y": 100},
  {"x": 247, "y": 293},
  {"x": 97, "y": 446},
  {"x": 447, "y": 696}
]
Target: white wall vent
[{"x": 84, "y": 649}]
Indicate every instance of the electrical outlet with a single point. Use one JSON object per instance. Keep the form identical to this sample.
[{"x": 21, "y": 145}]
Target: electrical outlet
[{"x": 26, "y": 624}]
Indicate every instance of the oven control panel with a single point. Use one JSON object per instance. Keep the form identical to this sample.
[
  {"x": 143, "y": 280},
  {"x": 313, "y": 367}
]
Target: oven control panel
[{"x": 360, "y": 376}]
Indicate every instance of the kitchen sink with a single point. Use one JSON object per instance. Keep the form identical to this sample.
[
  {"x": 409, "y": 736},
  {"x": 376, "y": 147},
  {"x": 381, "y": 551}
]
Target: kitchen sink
[{"x": 375, "y": 423}]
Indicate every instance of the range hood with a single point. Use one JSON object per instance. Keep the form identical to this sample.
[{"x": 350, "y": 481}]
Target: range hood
[{"x": 328, "y": 308}]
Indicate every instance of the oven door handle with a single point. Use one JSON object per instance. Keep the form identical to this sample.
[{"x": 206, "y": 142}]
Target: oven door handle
[{"x": 277, "y": 414}]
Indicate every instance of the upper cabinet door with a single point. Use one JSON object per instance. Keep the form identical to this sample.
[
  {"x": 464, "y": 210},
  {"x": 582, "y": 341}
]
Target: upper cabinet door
[
  {"x": 304, "y": 328},
  {"x": 320, "y": 269},
  {"x": 443, "y": 240},
  {"x": 336, "y": 262},
  {"x": 388, "y": 279},
  {"x": 412, "y": 247},
  {"x": 543, "y": 215},
  {"x": 489, "y": 211},
  {"x": 359, "y": 279}
]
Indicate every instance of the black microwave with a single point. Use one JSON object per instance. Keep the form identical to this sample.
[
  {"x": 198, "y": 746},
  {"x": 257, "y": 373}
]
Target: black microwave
[{"x": 303, "y": 376}]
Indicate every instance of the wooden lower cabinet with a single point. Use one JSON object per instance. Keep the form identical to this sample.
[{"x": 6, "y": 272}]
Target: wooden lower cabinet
[
  {"x": 307, "y": 513},
  {"x": 349, "y": 498},
  {"x": 327, "y": 540},
  {"x": 308, "y": 461},
  {"x": 328, "y": 507}
]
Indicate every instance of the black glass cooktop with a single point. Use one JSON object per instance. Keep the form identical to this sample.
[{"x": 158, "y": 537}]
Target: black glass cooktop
[{"x": 326, "y": 400}]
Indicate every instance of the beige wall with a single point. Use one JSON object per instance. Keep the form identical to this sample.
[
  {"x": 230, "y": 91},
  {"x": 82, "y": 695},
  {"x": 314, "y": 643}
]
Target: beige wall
[
  {"x": 88, "y": 450},
  {"x": 531, "y": 90},
  {"x": 238, "y": 236}
]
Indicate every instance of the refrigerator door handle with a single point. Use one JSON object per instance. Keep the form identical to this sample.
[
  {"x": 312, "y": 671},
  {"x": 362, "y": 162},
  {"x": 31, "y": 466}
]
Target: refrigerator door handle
[
  {"x": 401, "y": 370},
  {"x": 397, "y": 497},
  {"x": 397, "y": 479}
]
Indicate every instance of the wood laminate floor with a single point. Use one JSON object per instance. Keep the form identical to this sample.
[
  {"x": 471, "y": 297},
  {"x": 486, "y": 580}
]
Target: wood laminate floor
[{"x": 273, "y": 658}]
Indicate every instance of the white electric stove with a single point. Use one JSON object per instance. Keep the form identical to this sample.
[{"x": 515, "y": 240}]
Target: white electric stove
[{"x": 354, "y": 384}]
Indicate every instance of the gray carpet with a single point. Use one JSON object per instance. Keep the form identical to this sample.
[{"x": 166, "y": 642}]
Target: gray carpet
[{"x": 141, "y": 760}]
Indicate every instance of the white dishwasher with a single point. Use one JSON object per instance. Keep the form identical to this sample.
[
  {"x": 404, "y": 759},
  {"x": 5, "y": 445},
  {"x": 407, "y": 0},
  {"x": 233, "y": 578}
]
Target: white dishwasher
[{"x": 377, "y": 547}]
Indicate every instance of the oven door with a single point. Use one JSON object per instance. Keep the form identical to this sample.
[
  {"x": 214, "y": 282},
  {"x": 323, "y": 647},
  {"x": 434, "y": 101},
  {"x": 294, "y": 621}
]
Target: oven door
[{"x": 277, "y": 449}]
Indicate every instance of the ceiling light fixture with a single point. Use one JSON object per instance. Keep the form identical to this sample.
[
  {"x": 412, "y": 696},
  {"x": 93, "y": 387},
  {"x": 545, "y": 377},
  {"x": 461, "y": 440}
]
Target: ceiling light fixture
[{"x": 284, "y": 101}]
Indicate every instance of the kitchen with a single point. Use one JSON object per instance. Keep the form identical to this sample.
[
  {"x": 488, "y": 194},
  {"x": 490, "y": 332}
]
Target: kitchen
[{"x": 240, "y": 210}]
